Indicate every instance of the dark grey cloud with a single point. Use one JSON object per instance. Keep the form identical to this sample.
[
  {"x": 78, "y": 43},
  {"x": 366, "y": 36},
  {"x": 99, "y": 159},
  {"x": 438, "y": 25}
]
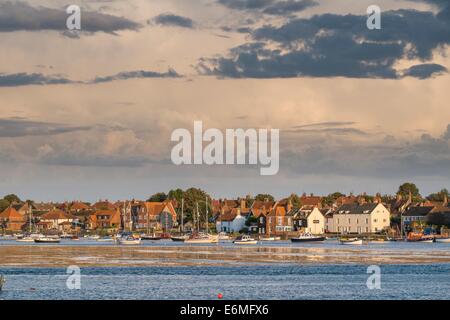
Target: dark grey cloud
[
  {"x": 424, "y": 71},
  {"x": 20, "y": 127},
  {"x": 23, "y": 79},
  {"x": 20, "y": 16},
  {"x": 272, "y": 7},
  {"x": 137, "y": 74},
  {"x": 331, "y": 45},
  {"x": 169, "y": 19}
]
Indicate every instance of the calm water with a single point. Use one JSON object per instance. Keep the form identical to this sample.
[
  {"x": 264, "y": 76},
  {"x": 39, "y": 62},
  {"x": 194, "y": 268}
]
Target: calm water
[{"x": 242, "y": 282}]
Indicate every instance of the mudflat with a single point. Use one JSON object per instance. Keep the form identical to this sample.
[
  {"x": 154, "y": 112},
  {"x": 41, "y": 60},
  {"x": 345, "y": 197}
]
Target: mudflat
[{"x": 114, "y": 255}]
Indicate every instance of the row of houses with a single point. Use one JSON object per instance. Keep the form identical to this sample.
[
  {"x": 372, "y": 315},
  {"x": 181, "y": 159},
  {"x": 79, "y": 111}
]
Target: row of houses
[
  {"x": 104, "y": 215},
  {"x": 280, "y": 217}
]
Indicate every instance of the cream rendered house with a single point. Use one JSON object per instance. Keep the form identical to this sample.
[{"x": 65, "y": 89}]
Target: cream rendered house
[
  {"x": 360, "y": 218},
  {"x": 310, "y": 221}
]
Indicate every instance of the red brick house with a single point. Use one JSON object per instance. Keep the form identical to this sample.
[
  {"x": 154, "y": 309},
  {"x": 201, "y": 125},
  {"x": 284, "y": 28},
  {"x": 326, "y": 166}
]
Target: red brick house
[{"x": 12, "y": 220}]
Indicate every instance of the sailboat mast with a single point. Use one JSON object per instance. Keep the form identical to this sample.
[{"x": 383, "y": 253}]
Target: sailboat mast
[
  {"x": 198, "y": 219},
  {"x": 206, "y": 205},
  {"x": 182, "y": 212}
]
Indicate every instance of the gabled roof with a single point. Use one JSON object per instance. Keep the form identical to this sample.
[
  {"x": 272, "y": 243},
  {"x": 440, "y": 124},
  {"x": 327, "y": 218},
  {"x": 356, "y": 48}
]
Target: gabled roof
[
  {"x": 418, "y": 211},
  {"x": 356, "y": 208},
  {"x": 104, "y": 205},
  {"x": 114, "y": 215},
  {"x": 57, "y": 215},
  {"x": 78, "y": 205},
  {"x": 155, "y": 208},
  {"x": 12, "y": 215},
  {"x": 310, "y": 200}
]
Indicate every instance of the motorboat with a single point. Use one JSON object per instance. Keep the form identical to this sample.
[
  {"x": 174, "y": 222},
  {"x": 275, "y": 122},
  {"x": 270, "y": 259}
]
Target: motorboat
[
  {"x": 245, "y": 239},
  {"x": 420, "y": 237},
  {"x": 201, "y": 238},
  {"x": 308, "y": 237},
  {"x": 47, "y": 240},
  {"x": 350, "y": 241},
  {"x": 129, "y": 240}
]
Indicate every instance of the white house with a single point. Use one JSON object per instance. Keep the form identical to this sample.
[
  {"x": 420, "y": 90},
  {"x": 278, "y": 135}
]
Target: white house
[
  {"x": 360, "y": 218},
  {"x": 310, "y": 221},
  {"x": 231, "y": 221}
]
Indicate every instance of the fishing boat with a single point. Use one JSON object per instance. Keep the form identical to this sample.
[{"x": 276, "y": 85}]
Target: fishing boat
[
  {"x": 443, "y": 240},
  {"x": 420, "y": 237},
  {"x": 350, "y": 241},
  {"x": 129, "y": 240},
  {"x": 47, "y": 240},
  {"x": 201, "y": 238},
  {"x": 245, "y": 239},
  {"x": 307, "y": 237}
]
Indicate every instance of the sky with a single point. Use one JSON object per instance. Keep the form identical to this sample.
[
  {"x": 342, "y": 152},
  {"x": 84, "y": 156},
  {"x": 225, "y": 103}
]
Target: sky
[{"x": 87, "y": 115}]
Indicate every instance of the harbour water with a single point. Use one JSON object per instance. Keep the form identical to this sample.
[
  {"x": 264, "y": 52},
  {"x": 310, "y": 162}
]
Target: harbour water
[
  {"x": 239, "y": 282},
  {"x": 275, "y": 270}
]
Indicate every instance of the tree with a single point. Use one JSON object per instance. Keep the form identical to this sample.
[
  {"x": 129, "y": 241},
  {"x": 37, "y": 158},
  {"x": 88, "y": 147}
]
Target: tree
[
  {"x": 295, "y": 201},
  {"x": 439, "y": 196},
  {"x": 158, "y": 197},
  {"x": 192, "y": 197},
  {"x": 3, "y": 204},
  {"x": 408, "y": 187},
  {"x": 12, "y": 198},
  {"x": 175, "y": 194},
  {"x": 249, "y": 201},
  {"x": 264, "y": 197},
  {"x": 331, "y": 198}
]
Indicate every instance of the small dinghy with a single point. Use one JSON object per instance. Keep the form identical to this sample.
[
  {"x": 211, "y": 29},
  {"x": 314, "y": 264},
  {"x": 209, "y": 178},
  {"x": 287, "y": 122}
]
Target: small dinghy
[
  {"x": 25, "y": 239},
  {"x": 350, "y": 241},
  {"x": 245, "y": 239},
  {"x": 181, "y": 238},
  {"x": 202, "y": 238},
  {"x": 105, "y": 239}
]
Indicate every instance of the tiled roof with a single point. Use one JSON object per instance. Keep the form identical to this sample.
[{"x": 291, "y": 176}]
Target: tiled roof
[
  {"x": 56, "y": 215},
  {"x": 356, "y": 208},
  {"x": 418, "y": 211},
  {"x": 12, "y": 215}
]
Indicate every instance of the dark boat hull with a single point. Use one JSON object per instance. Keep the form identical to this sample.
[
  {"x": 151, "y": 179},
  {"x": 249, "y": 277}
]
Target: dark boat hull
[
  {"x": 150, "y": 238},
  {"x": 308, "y": 240},
  {"x": 178, "y": 239}
]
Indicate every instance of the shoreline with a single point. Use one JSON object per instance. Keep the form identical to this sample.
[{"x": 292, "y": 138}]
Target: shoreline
[{"x": 159, "y": 256}]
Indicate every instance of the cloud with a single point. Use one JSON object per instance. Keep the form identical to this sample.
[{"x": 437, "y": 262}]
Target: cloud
[
  {"x": 20, "y": 127},
  {"x": 271, "y": 7},
  {"x": 326, "y": 124},
  {"x": 332, "y": 45},
  {"x": 424, "y": 71},
  {"x": 169, "y": 19},
  {"x": 136, "y": 75},
  {"x": 20, "y": 16},
  {"x": 23, "y": 79}
]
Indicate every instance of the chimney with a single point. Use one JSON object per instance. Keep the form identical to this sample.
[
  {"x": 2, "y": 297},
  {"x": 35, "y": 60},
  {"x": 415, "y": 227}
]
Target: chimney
[
  {"x": 243, "y": 204},
  {"x": 410, "y": 196},
  {"x": 445, "y": 200},
  {"x": 238, "y": 211}
]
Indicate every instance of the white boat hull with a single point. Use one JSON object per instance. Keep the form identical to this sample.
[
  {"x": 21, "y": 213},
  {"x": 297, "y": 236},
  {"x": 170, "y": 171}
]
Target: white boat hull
[
  {"x": 352, "y": 242},
  {"x": 130, "y": 242},
  {"x": 443, "y": 240},
  {"x": 202, "y": 241},
  {"x": 245, "y": 242},
  {"x": 25, "y": 240}
]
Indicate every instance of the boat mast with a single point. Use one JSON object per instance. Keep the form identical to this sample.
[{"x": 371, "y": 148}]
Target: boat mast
[
  {"x": 182, "y": 218},
  {"x": 206, "y": 205},
  {"x": 148, "y": 222},
  {"x": 198, "y": 219}
]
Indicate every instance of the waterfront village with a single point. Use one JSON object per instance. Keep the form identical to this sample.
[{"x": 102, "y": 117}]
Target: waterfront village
[{"x": 404, "y": 215}]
